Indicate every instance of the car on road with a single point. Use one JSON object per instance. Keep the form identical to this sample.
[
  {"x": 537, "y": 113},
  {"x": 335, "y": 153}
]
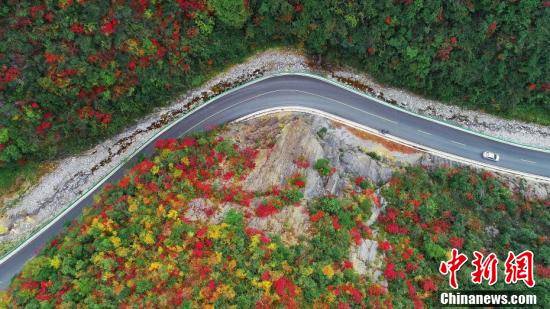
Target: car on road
[{"x": 489, "y": 155}]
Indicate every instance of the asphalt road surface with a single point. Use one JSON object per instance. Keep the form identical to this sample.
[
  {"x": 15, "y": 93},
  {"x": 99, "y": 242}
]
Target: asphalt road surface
[{"x": 303, "y": 91}]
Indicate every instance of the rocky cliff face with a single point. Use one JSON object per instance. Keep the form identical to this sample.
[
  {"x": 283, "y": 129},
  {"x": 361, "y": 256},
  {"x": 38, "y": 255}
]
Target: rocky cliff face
[
  {"x": 290, "y": 137},
  {"x": 284, "y": 137},
  {"x": 295, "y": 139}
]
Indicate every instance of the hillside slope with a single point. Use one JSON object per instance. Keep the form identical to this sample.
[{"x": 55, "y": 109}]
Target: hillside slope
[
  {"x": 287, "y": 211},
  {"x": 75, "y": 72}
]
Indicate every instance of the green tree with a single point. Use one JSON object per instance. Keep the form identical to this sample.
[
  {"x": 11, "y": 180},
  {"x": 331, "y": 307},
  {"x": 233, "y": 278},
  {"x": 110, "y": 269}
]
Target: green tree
[{"x": 232, "y": 13}]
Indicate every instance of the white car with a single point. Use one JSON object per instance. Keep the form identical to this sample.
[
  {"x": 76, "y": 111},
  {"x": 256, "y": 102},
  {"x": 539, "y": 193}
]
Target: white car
[{"x": 491, "y": 156}]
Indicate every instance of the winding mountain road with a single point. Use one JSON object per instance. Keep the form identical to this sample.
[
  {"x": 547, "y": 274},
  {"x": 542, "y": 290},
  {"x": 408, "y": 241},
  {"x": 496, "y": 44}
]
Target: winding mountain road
[{"x": 315, "y": 93}]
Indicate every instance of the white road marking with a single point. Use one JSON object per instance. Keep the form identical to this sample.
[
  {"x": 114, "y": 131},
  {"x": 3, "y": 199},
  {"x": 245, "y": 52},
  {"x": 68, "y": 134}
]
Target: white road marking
[
  {"x": 383, "y": 118},
  {"x": 428, "y": 133},
  {"x": 223, "y": 110},
  {"x": 342, "y": 103},
  {"x": 100, "y": 183},
  {"x": 458, "y": 143},
  {"x": 532, "y": 162}
]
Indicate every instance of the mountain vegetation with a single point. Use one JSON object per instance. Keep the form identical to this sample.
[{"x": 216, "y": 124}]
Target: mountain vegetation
[
  {"x": 146, "y": 243},
  {"x": 73, "y": 72}
]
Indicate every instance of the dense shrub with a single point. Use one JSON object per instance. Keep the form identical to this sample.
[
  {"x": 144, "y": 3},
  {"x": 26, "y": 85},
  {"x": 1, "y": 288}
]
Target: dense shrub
[
  {"x": 139, "y": 245},
  {"x": 323, "y": 166},
  {"x": 430, "y": 212},
  {"x": 72, "y": 72},
  {"x": 483, "y": 54}
]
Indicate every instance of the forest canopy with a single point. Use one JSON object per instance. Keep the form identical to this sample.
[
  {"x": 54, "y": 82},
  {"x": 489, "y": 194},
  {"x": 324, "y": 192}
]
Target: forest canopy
[{"x": 160, "y": 237}]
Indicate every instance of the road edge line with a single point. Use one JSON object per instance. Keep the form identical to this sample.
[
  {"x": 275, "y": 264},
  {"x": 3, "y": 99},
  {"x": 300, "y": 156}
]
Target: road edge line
[
  {"x": 439, "y": 121},
  {"x": 392, "y": 138},
  {"x": 123, "y": 161}
]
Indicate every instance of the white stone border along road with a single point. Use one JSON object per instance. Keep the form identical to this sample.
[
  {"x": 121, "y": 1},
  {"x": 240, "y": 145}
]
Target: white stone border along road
[
  {"x": 454, "y": 126},
  {"x": 395, "y": 139},
  {"x": 392, "y": 138},
  {"x": 516, "y": 131}
]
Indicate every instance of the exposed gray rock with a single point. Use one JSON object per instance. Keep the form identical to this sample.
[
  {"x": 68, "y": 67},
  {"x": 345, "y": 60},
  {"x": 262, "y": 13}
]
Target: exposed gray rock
[
  {"x": 367, "y": 250},
  {"x": 375, "y": 210},
  {"x": 492, "y": 231},
  {"x": 531, "y": 190},
  {"x": 366, "y": 260},
  {"x": 334, "y": 184},
  {"x": 363, "y": 165},
  {"x": 535, "y": 190},
  {"x": 197, "y": 210},
  {"x": 291, "y": 223},
  {"x": 273, "y": 167},
  {"x": 429, "y": 160}
]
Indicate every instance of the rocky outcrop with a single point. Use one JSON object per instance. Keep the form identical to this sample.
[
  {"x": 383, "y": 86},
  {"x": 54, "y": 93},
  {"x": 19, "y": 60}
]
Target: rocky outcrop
[
  {"x": 288, "y": 137},
  {"x": 291, "y": 223},
  {"x": 298, "y": 137},
  {"x": 296, "y": 140},
  {"x": 366, "y": 260},
  {"x": 365, "y": 166}
]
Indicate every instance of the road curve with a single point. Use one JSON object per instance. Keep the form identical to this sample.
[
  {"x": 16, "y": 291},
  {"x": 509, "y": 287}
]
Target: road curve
[{"x": 307, "y": 92}]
